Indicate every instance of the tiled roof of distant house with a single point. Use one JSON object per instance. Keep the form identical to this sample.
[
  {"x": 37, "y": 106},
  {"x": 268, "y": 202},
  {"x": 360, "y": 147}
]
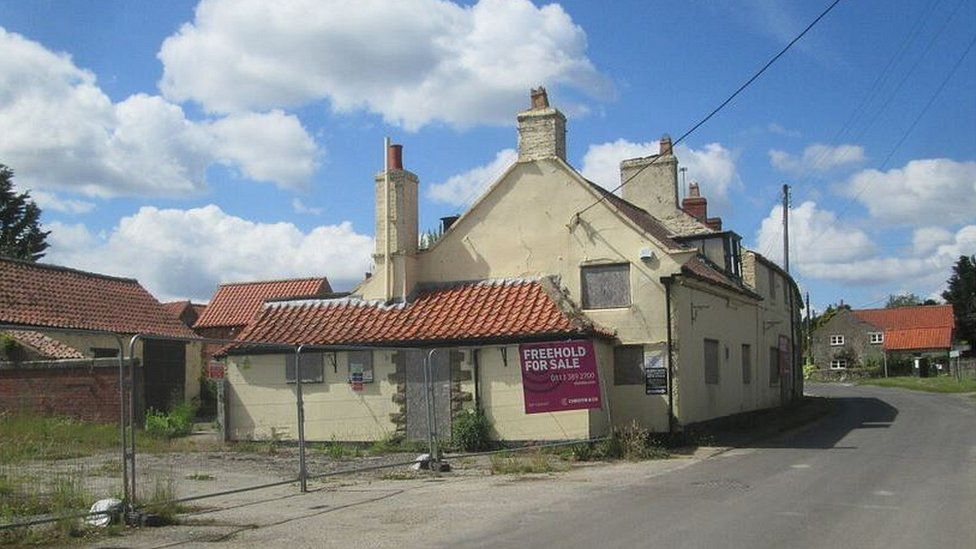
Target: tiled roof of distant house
[
  {"x": 36, "y": 294},
  {"x": 489, "y": 310},
  {"x": 185, "y": 310},
  {"x": 907, "y": 328},
  {"x": 235, "y": 304},
  {"x": 43, "y": 345}
]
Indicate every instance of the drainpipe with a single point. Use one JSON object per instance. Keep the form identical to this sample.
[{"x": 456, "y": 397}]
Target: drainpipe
[{"x": 667, "y": 280}]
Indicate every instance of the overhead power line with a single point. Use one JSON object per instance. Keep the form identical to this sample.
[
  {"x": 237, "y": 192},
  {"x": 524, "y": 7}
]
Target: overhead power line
[{"x": 722, "y": 105}]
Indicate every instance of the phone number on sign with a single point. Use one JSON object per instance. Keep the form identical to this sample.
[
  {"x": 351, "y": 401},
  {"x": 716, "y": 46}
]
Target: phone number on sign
[{"x": 573, "y": 376}]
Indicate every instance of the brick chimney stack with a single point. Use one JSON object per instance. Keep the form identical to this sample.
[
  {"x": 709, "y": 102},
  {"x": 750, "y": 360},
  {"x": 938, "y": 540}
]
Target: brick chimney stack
[
  {"x": 541, "y": 129},
  {"x": 696, "y": 206},
  {"x": 396, "y": 226}
]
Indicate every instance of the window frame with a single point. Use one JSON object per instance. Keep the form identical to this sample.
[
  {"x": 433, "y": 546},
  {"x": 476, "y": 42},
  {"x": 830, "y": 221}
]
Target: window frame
[
  {"x": 715, "y": 379},
  {"x": 876, "y": 338},
  {"x": 837, "y": 340},
  {"x": 628, "y": 374},
  {"x": 585, "y": 300},
  {"x": 841, "y": 364},
  {"x": 310, "y": 359}
]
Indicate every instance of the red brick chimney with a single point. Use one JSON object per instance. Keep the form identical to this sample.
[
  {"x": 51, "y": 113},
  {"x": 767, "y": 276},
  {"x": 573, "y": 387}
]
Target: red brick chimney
[
  {"x": 394, "y": 157},
  {"x": 696, "y": 205}
]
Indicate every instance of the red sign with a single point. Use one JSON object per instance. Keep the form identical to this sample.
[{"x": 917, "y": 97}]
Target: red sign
[{"x": 559, "y": 376}]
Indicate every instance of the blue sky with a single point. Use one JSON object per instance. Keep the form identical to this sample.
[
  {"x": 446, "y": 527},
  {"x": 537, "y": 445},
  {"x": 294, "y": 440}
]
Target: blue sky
[{"x": 187, "y": 143}]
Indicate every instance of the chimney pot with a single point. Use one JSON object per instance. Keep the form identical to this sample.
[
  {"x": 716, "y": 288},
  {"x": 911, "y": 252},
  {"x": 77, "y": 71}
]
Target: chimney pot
[
  {"x": 394, "y": 157},
  {"x": 540, "y": 99},
  {"x": 665, "y": 145},
  {"x": 693, "y": 190}
]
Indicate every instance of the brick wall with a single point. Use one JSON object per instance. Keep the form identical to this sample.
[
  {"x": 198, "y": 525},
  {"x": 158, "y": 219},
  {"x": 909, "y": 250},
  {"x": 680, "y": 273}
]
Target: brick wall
[{"x": 86, "y": 390}]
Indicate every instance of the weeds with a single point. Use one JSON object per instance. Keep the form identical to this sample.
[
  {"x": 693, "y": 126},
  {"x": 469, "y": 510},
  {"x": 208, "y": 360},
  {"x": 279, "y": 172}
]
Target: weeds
[
  {"x": 27, "y": 437},
  {"x": 471, "y": 431},
  {"x": 200, "y": 476},
  {"x": 395, "y": 444},
  {"x": 633, "y": 443},
  {"x": 537, "y": 462},
  {"x": 176, "y": 423}
]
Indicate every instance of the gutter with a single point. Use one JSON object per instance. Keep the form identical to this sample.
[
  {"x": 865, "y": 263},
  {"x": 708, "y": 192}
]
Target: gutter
[{"x": 667, "y": 281}]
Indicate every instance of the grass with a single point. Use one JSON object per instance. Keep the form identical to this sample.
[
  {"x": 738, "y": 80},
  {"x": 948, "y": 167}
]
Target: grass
[
  {"x": 536, "y": 462},
  {"x": 200, "y": 476},
  {"x": 940, "y": 384},
  {"x": 26, "y": 495}
]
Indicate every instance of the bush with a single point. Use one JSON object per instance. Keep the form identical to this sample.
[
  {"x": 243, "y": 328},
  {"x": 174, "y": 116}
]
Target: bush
[
  {"x": 176, "y": 423},
  {"x": 809, "y": 371},
  {"x": 632, "y": 442},
  {"x": 471, "y": 431}
]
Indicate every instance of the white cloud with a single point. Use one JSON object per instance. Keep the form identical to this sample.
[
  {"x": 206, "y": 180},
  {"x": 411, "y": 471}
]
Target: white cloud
[
  {"x": 817, "y": 158},
  {"x": 301, "y": 208},
  {"x": 462, "y": 189},
  {"x": 937, "y": 190},
  {"x": 413, "y": 61},
  {"x": 52, "y": 202},
  {"x": 776, "y": 128},
  {"x": 61, "y": 131},
  {"x": 827, "y": 249},
  {"x": 713, "y": 166},
  {"x": 186, "y": 253}
]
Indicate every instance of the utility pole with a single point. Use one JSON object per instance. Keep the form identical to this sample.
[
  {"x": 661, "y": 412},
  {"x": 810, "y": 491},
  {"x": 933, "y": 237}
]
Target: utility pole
[
  {"x": 786, "y": 227},
  {"x": 809, "y": 334}
]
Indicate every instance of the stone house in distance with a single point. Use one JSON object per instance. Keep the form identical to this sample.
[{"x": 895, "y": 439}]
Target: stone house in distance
[
  {"x": 685, "y": 325},
  {"x": 866, "y": 337}
]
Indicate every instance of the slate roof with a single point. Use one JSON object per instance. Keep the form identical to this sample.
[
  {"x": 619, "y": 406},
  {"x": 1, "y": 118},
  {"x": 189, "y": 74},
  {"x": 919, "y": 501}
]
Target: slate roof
[
  {"x": 907, "y": 328},
  {"x": 36, "y": 294},
  {"x": 488, "y": 310},
  {"x": 45, "y": 346},
  {"x": 235, "y": 304}
]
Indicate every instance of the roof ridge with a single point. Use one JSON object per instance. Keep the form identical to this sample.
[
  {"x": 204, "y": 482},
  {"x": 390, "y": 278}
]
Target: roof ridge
[
  {"x": 273, "y": 281},
  {"x": 52, "y": 267},
  {"x": 905, "y": 307}
]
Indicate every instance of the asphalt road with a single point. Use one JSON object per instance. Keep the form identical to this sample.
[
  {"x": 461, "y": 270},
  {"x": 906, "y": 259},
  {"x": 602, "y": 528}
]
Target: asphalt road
[{"x": 889, "y": 469}]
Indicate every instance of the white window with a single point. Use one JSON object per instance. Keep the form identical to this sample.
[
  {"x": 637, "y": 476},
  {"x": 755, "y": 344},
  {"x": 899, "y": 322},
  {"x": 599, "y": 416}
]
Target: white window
[
  {"x": 876, "y": 337},
  {"x": 838, "y": 364},
  {"x": 836, "y": 340}
]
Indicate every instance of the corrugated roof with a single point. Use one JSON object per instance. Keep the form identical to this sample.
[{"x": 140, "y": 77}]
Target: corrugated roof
[
  {"x": 45, "y": 346},
  {"x": 36, "y": 294},
  {"x": 486, "y": 310},
  {"x": 235, "y": 304}
]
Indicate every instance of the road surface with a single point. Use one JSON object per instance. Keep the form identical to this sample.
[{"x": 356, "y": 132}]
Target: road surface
[{"x": 890, "y": 469}]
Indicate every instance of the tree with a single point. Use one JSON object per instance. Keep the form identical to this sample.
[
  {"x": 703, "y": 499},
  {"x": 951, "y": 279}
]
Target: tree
[
  {"x": 961, "y": 293},
  {"x": 902, "y": 300},
  {"x": 21, "y": 236}
]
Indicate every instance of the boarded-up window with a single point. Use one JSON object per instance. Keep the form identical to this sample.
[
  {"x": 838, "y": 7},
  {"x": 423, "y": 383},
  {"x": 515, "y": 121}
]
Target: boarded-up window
[
  {"x": 774, "y": 366},
  {"x": 361, "y": 361},
  {"x": 313, "y": 370},
  {"x": 628, "y": 365},
  {"x": 711, "y": 361},
  {"x": 746, "y": 364},
  {"x": 772, "y": 284},
  {"x": 605, "y": 286}
]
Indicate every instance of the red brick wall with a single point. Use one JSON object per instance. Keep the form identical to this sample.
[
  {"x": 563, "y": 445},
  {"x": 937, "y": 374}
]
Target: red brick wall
[{"x": 86, "y": 393}]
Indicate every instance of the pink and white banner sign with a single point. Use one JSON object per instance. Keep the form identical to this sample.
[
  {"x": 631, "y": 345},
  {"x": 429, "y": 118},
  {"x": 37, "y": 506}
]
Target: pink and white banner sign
[{"x": 558, "y": 376}]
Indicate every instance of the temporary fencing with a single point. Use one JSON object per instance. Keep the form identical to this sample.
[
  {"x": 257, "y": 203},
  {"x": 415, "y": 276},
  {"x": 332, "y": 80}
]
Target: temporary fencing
[{"x": 145, "y": 481}]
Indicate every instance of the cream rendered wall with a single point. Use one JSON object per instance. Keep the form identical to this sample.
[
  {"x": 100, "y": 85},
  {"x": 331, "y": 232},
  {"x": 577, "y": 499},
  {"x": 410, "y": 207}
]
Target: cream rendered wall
[
  {"x": 261, "y": 402},
  {"x": 503, "y": 401}
]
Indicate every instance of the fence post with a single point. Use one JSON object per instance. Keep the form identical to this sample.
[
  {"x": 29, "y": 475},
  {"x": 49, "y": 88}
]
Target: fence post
[
  {"x": 429, "y": 397},
  {"x": 302, "y": 473},
  {"x": 221, "y": 385},
  {"x": 122, "y": 426}
]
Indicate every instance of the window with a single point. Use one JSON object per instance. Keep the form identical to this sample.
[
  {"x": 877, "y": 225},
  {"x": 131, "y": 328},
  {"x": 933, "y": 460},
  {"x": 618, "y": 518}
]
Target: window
[
  {"x": 836, "y": 340},
  {"x": 628, "y": 365},
  {"x": 774, "y": 366},
  {"x": 313, "y": 370},
  {"x": 361, "y": 361},
  {"x": 746, "y": 364},
  {"x": 838, "y": 364},
  {"x": 772, "y": 284},
  {"x": 104, "y": 352},
  {"x": 876, "y": 338},
  {"x": 711, "y": 361},
  {"x": 605, "y": 286}
]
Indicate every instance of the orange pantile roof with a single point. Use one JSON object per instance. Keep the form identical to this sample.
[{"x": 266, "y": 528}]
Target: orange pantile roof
[
  {"x": 918, "y": 338},
  {"x": 235, "y": 304},
  {"x": 906, "y": 328},
  {"x": 45, "y": 346},
  {"x": 495, "y": 310},
  {"x": 35, "y": 294}
]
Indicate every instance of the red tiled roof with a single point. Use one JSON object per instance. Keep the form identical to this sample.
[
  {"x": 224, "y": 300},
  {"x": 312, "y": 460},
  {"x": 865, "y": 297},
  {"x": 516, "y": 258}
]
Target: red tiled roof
[
  {"x": 35, "y": 294},
  {"x": 918, "y": 338},
  {"x": 900, "y": 318},
  {"x": 235, "y": 304},
  {"x": 45, "y": 346},
  {"x": 487, "y": 310},
  {"x": 906, "y": 328}
]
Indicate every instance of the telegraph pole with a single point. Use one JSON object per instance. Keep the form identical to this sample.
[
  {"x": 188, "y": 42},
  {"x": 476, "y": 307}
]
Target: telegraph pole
[{"x": 786, "y": 227}]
